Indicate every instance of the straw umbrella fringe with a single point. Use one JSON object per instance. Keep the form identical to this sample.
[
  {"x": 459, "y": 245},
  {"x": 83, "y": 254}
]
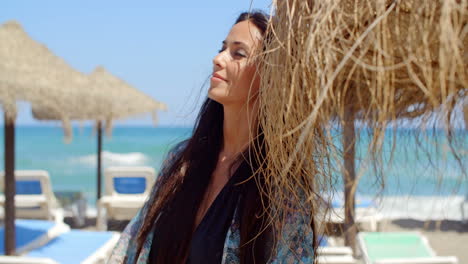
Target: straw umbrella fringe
[
  {"x": 113, "y": 99},
  {"x": 376, "y": 61}
]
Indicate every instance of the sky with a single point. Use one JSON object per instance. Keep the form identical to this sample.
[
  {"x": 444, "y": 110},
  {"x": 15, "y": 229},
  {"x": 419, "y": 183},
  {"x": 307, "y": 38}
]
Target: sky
[{"x": 163, "y": 48}]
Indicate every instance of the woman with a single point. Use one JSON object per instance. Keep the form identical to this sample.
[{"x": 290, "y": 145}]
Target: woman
[{"x": 206, "y": 206}]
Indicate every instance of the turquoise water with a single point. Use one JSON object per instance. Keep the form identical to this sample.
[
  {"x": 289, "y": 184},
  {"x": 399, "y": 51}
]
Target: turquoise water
[
  {"x": 72, "y": 166},
  {"x": 422, "y": 165}
]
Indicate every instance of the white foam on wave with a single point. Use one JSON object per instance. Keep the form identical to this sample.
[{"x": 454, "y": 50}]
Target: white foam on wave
[
  {"x": 115, "y": 159},
  {"x": 424, "y": 208}
]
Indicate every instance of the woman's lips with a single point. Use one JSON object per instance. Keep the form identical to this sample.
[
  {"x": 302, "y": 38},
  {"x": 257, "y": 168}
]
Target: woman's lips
[{"x": 217, "y": 77}]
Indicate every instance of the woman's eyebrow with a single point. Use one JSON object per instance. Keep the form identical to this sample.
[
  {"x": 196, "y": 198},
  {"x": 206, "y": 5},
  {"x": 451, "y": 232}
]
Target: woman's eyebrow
[{"x": 236, "y": 43}]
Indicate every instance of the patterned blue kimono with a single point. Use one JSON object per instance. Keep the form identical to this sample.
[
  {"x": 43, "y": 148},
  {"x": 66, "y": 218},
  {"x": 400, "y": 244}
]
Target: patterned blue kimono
[{"x": 295, "y": 245}]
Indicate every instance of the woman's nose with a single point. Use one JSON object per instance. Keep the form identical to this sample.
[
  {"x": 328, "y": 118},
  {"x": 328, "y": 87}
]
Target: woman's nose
[{"x": 218, "y": 61}]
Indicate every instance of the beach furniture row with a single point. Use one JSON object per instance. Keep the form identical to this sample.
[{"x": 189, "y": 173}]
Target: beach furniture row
[
  {"x": 42, "y": 241},
  {"x": 126, "y": 190}
]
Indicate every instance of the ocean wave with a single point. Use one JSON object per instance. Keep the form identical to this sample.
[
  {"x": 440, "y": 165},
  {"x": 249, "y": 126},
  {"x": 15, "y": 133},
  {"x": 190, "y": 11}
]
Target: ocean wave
[
  {"x": 114, "y": 159},
  {"x": 421, "y": 208},
  {"x": 424, "y": 207}
]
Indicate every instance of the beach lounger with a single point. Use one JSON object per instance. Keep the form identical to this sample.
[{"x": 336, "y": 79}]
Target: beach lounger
[
  {"x": 33, "y": 233},
  {"x": 73, "y": 247},
  {"x": 365, "y": 213},
  {"x": 126, "y": 190},
  {"x": 399, "y": 248},
  {"x": 34, "y": 198},
  {"x": 78, "y": 246}
]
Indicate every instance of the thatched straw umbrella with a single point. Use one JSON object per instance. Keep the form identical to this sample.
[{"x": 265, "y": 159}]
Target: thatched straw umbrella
[
  {"x": 117, "y": 100},
  {"x": 330, "y": 63},
  {"x": 29, "y": 72}
]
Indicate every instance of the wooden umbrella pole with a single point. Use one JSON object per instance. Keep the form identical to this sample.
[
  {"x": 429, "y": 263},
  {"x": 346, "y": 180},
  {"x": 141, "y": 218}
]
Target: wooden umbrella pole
[
  {"x": 10, "y": 186},
  {"x": 349, "y": 144},
  {"x": 99, "y": 159}
]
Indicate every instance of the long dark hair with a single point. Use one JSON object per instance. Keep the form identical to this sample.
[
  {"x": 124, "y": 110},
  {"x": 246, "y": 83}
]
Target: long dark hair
[{"x": 182, "y": 183}]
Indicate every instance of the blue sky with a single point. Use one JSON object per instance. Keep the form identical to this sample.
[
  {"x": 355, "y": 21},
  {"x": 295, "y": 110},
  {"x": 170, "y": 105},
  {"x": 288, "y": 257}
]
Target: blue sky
[{"x": 163, "y": 48}]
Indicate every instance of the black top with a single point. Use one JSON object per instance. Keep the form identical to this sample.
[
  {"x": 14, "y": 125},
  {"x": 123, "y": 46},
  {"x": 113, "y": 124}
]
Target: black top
[{"x": 208, "y": 239}]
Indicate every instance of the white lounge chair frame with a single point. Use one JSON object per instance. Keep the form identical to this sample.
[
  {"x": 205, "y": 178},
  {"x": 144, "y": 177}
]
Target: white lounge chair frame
[
  {"x": 332, "y": 254},
  {"x": 365, "y": 215},
  {"x": 103, "y": 253},
  {"x": 334, "y": 251},
  {"x": 114, "y": 205},
  {"x": 25, "y": 260},
  {"x": 32, "y": 206},
  {"x": 434, "y": 259},
  {"x": 335, "y": 260}
]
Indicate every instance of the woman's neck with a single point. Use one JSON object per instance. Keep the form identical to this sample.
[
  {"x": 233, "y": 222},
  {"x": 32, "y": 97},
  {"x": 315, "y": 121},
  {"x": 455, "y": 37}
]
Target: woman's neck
[{"x": 238, "y": 129}]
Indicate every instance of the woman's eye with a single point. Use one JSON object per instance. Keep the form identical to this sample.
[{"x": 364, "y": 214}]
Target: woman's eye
[{"x": 240, "y": 54}]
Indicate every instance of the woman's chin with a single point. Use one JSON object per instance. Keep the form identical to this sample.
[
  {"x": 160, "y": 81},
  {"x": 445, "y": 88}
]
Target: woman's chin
[{"x": 216, "y": 95}]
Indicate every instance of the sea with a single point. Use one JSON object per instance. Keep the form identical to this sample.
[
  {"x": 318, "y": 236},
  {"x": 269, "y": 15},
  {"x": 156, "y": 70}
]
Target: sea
[{"x": 416, "y": 185}]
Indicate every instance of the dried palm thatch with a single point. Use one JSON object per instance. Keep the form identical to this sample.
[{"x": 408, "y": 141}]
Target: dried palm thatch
[
  {"x": 111, "y": 97},
  {"x": 330, "y": 63},
  {"x": 125, "y": 100},
  {"x": 29, "y": 71}
]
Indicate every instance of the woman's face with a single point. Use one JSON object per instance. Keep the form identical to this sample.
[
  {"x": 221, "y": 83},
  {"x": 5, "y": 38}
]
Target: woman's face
[{"x": 234, "y": 78}]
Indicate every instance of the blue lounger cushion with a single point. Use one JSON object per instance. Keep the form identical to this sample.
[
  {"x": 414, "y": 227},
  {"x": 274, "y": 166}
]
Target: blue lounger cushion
[
  {"x": 72, "y": 247},
  {"x": 31, "y": 187},
  {"x": 26, "y": 232},
  {"x": 130, "y": 185},
  {"x": 323, "y": 241}
]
